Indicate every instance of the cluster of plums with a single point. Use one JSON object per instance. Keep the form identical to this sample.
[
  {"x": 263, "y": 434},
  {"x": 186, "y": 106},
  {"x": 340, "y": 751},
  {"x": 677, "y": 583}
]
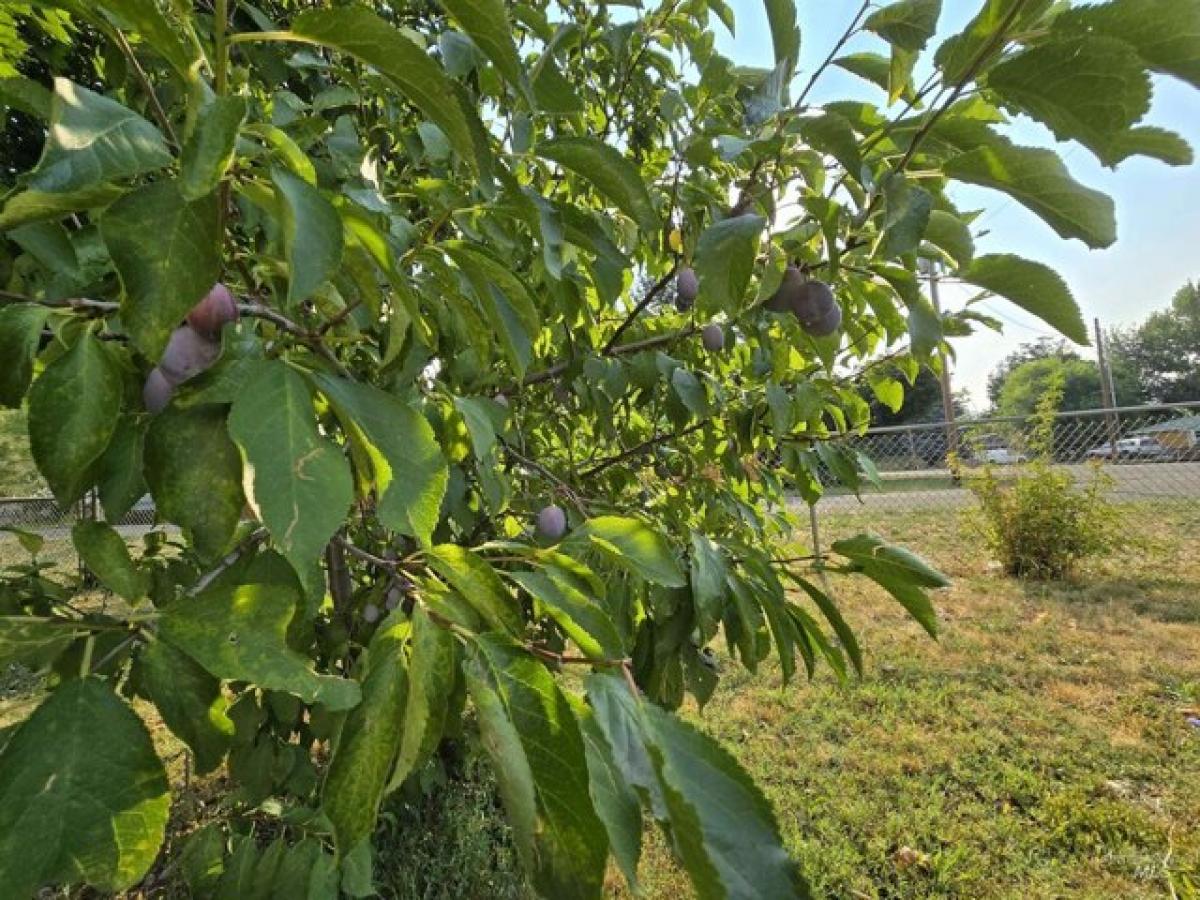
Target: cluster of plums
[
  {"x": 192, "y": 348},
  {"x": 811, "y": 302}
]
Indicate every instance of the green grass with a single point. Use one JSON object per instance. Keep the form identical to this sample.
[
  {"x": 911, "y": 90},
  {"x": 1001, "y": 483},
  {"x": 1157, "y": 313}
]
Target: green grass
[
  {"x": 18, "y": 475},
  {"x": 1038, "y": 749}
]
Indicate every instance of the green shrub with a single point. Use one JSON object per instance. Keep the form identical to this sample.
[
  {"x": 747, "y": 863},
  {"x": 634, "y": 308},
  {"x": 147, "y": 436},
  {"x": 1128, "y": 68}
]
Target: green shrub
[{"x": 1038, "y": 520}]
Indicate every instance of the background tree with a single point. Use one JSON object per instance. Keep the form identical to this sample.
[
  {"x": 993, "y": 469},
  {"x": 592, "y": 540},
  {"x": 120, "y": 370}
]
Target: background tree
[
  {"x": 1021, "y": 378},
  {"x": 1164, "y": 350},
  {"x": 922, "y": 403},
  {"x": 371, "y": 274}
]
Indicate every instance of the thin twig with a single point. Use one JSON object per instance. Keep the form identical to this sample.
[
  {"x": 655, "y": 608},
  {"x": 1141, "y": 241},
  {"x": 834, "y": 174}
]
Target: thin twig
[
  {"x": 639, "y": 309},
  {"x": 147, "y": 87},
  {"x": 850, "y": 31},
  {"x": 248, "y": 543},
  {"x": 644, "y": 447}
]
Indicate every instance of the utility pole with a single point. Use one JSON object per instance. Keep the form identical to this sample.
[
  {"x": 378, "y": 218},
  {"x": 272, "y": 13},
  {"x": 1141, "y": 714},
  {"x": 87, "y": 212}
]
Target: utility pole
[
  {"x": 947, "y": 390},
  {"x": 1107, "y": 394}
]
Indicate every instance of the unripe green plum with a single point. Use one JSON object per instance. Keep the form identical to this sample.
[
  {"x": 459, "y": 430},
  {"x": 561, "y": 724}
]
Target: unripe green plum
[
  {"x": 687, "y": 287},
  {"x": 214, "y": 312},
  {"x": 713, "y": 337},
  {"x": 551, "y": 523},
  {"x": 188, "y": 353},
  {"x": 156, "y": 392}
]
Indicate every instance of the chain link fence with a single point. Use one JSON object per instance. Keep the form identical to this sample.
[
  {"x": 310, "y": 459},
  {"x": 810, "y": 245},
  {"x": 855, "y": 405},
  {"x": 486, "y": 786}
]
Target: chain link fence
[
  {"x": 43, "y": 517},
  {"x": 1150, "y": 456}
]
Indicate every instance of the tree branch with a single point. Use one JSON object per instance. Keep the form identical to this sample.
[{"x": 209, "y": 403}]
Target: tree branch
[
  {"x": 641, "y": 448},
  {"x": 639, "y": 309}
]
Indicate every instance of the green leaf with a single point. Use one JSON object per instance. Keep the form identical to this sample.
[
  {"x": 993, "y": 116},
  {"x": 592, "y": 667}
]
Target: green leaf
[
  {"x": 299, "y": 482},
  {"x": 1038, "y": 180},
  {"x": 21, "y": 327},
  {"x": 195, "y": 475},
  {"x": 613, "y": 797},
  {"x": 405, "y": 462},
  {"x": 83, "y": 797},
  {"x": 50, "y": 245},
  {"x": 832, "y": 133},
  {"x": 908, "y": 24},
  {"x": 873, "y": 67},
  {"x": 31, "y": 542},
  {"x": 977, "y": 42},
  {"x": 833, "y": 615},
  {"x": 950, "y": 233},
  {"x": 1034, "y": 287},
  {"x": 722, "y": 827},
  {"x": 361, "y": 33},
  {"x": 312, "y": 235},
  {"x": 710, "y": 589},
  {"x": 907, "y": 213},
  {"x": 1148, "y": 140},
  {"x": 145, "y": 17},
  {"x": 471, "y": 576},
  {"x": 1166, "y": 33},
  {"x": 161, "y": 287},
  {"x": 724, "y": 262},
  {"x": 368, "y": 742},
  {"x": 209, "y": 151},
  {"x": 486, "y": 21},
  {"x": 286, "y": 149},
  {"x": 1087, "y": 88},
  {"x": 73, "y": 410},
  {"x": 190, "y": 701},
  {"x": 40, "y": 206},
  {"x": 433, "y": 670},
  {"x": 609, "y": 171},
  {"x": 785, "y": 33},
  {"x": 902, "y": 573},
  {"x": 504, "y": 298},
  {"x": 104, "y": 552},
  {"x": 634, "y": 546},
  {"x": 536, "y": 748},
  {"x": 477, "y": 414},
  {"x": 581, "y": 618},
  {"x": 34, "y": 642},
  {"x": 119, "y": 471},
  {"x": 239, "y": 633},
  {"x": 93, "y": 139},
  {"x": 30, "y": 97}
]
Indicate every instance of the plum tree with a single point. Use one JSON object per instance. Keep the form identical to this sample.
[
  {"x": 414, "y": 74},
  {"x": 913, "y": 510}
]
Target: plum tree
[{"x": 425, "y": 208}]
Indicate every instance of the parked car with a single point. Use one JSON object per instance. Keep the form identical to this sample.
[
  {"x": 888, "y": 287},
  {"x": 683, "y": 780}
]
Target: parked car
[
  {"x": 1002, "y": 456},
  {"x": 1137, "y": 447}
]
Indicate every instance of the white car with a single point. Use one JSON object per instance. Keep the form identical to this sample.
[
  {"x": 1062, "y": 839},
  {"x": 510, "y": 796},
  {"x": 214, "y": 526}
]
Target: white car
[{"x": 1002, "y": 456}]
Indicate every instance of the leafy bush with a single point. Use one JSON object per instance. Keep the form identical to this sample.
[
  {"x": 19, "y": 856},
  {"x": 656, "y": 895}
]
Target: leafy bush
[
  {"x": 1037, "y": 518},
  {"x": 353, "y": 292}
]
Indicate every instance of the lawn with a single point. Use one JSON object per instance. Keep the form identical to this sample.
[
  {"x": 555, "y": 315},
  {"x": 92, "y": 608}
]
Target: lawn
[{"x": 1040, "y": 748}]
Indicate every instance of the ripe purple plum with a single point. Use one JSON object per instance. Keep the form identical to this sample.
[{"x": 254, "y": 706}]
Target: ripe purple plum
[
  {"x": 156, "y": 392},
  {"x": 188, "y": 353},
  {"x": 791, "y": 287},
  {"x": 371, "y": 614},
  {"x": 551, "y": 523},
  {"x": 214, "y": 312},
  {"x": 713, "y": 337},
  {"x": 687, "y": 287}
]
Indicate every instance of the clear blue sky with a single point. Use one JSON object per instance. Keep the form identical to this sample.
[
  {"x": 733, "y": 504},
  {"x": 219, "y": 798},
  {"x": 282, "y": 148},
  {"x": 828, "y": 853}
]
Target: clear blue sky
[{"x": 1158, "y": 207}]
